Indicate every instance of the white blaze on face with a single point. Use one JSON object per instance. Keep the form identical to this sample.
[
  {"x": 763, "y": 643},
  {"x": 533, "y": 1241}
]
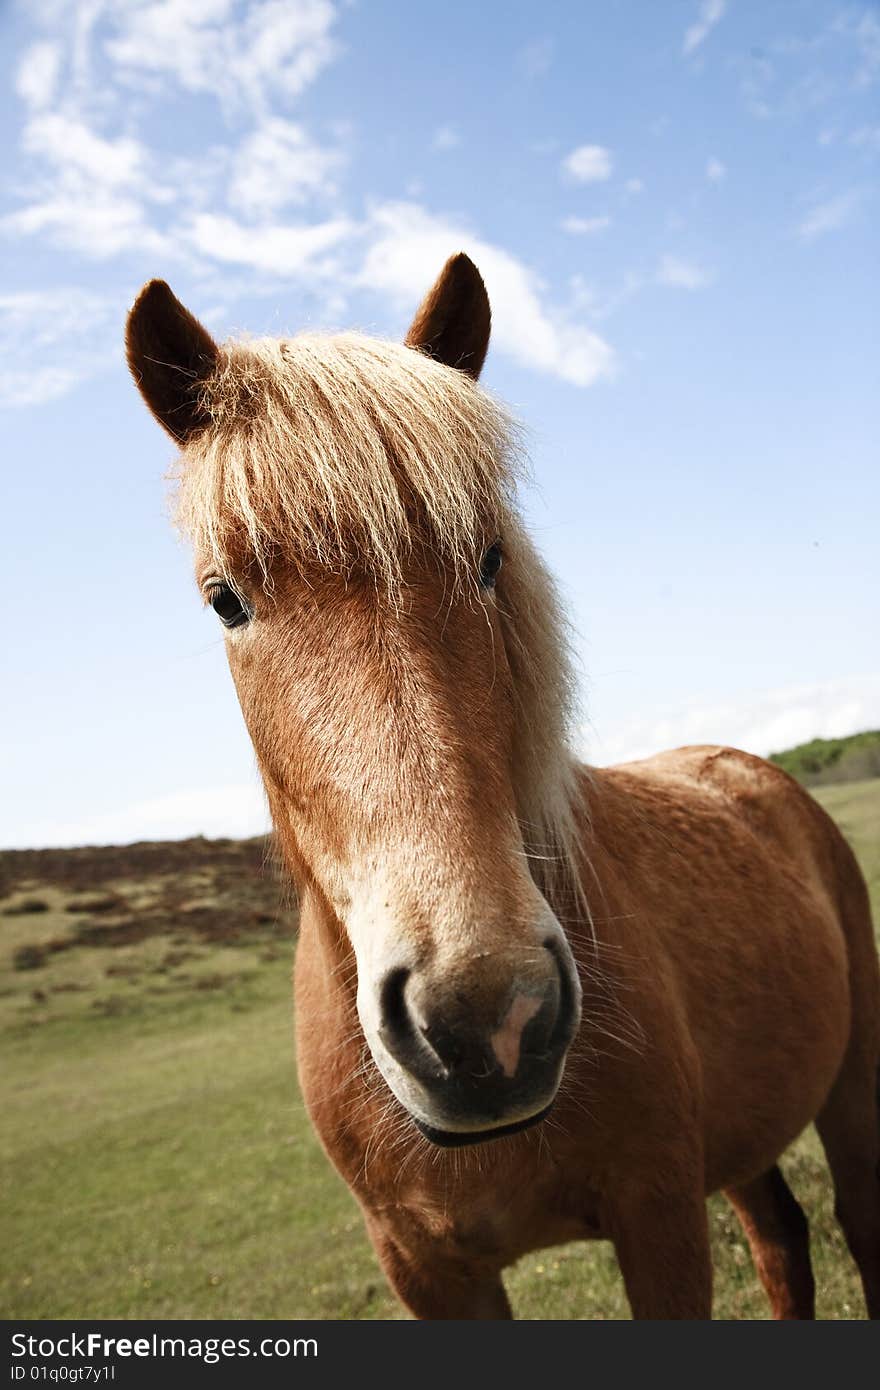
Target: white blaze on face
[{"x": 506, "y": 1042}]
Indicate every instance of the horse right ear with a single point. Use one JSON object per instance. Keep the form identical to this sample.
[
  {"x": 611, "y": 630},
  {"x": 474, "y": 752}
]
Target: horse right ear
[
  {"x": 454, "y": 321},
  {"x": 170, "y": 356}
]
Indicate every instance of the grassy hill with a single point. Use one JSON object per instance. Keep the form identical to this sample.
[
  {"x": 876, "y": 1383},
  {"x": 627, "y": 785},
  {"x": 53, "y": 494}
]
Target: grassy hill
[
  {"x": 825, "y": 761},
  {"x": 155, "y": 1157}
]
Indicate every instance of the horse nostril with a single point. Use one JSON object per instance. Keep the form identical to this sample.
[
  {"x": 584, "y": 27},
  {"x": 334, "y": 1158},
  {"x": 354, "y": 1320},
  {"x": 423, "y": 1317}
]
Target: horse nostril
[
  {"x": 568, "y": 1010},
  {"x": 395, "y": 1026},
  {"x": 427, "y": 1051},
  {"x": 445, "y": 1045}
]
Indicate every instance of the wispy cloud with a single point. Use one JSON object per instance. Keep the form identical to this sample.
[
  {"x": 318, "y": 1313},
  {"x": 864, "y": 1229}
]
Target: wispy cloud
[
  {"x": 267, "y": 199},
  {"x": 716, "y": 172},
  {"x": 535, "y": 59},
  {"x": 269, "y": 49},
  {"x": 766, "y": 721},
  {"x": 588, "y": 164},
  {"x": 37, "y": 75},
  {"x": 69, "y": 144},
  {"x": 757, "y": 84},
  {"x": 98, "y": 225},
  {"x": 279, "y": 164},
  {"x": 867, "y": 137},
  {"x": 237, "y": 811},
  {"x": 104, "y": 193},
  {"x": 50, "y": 341},
  {"x": 405, "y": 239},
  {"x": 88, "y": 192},
  {"x": 680, "y": 274},
  {"x": 395, "y": 251},
  {"x": 829, "y": 216},
  {"x": 861, "y": 25},
  {"x": 284, "y": 249},
  {"x": 711, "y": 11},
  {"x": 584, "y": 226},
  {"x": 445, "y": 137}
]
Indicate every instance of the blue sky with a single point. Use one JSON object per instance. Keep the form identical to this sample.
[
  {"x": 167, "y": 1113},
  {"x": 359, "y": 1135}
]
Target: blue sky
[{"x": 674, "y": 207}]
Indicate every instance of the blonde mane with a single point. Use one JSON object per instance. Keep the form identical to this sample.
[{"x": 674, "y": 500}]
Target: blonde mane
[
  {"x": 336, "y": 451},
  {"x": 320, "y": 445}
]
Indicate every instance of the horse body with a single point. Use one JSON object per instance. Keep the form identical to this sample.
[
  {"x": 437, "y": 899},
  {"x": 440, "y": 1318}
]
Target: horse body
[
  {"x": 728, "y": 913},
  {"x": 534, "y": 1001}
]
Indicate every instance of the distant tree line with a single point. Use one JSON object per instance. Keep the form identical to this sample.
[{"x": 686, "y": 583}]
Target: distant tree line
[{"x": 826, "y": 760}]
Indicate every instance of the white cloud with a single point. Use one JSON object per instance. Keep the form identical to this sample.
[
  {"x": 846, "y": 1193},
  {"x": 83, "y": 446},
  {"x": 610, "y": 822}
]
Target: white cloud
[
  {"x": 50, "y": 341},
  {"x": 271, "y": 48},
  {"x": 102, "y": 193},
  {"x": 682, "y": 275},
  {"x": 716, "y": 172},
  {"x": 868, "y": 38},
  {"x": 867, "y": 137},
  {"x": 233, "y": 811},
  {"x": 542, "y": 147},
  {"x": 280, "y": 249},
  {"x": 758, "y": 82},
  {"x": 829, "y": 216},
  {"x": 86, "y": 191},
  {"x": 37, "y": 385},
  {"x": 584, "y": 226},
  {"x": 280, "y": 164},
  {"x": 588, "y": 164},
  {"x": 634, "y": 186},
  {"x": 40, "y": 318},
  {"x": 92, "y": 193},
  {"x": 37, "y": 75},
  {"x": 535, "y": 59},
  {"x": 863, "y": 28},
  {"x": 404, "y": 246},
  {"x": 407, "y": 245},
  {"x": 711, "y": 11},
  {"x": 98, "y": 226},
  {"x": 445, "y": 137},
  {"x": 96, "y": 188},
  {"x": 602, "y": 304},
  {"x": 764, "y": 722},
  {"x": 75, "y": 149}
]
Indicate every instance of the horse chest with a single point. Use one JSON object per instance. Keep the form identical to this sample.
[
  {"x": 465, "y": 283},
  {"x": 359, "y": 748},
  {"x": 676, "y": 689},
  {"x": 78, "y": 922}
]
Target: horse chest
[{"x": 485, "y": 1213}]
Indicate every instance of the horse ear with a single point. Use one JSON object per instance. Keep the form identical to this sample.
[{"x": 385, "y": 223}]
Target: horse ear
[
  {"x": 453, "y": 323},
  {"x": 170, "y": 356}
]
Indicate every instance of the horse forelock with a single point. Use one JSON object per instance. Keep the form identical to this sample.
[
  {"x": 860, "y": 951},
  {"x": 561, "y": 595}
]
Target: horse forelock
[{"x": 323, "y": 447}]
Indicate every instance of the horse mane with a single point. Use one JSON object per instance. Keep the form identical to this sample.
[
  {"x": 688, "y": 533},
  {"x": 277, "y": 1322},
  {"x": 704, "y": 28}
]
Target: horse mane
[
  {"x": 320, "y": 444},
  {"x": 324, "y": 448}
]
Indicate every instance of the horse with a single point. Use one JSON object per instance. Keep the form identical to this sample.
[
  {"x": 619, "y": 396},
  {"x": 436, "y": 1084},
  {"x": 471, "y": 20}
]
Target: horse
[{"x": 535, "y": 1001}]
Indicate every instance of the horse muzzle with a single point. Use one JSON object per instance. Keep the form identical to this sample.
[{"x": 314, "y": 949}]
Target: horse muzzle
[{"x": 472, "y": 1056}]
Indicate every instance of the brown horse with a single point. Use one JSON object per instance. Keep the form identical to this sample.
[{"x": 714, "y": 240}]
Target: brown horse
[{"x": 535, "y": 1002}]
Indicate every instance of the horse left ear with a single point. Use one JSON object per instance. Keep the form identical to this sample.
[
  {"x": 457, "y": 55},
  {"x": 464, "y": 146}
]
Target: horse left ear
[
  {"x": 453, "y": 323},
  {"x": 171, "y": 356}
]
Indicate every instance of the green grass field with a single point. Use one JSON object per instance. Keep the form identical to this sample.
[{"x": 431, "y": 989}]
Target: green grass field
[{"x": 156, "y": 1160}]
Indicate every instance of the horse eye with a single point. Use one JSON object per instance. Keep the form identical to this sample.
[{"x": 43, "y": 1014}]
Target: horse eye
[
  {"x": 490, "y": 566},
  {"x": 228, "y": 606}
]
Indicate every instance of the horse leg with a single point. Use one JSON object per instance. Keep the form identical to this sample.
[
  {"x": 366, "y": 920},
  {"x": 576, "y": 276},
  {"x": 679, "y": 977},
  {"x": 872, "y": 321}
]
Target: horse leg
[
  {"x": 779, "y": 1239},
  {"x": 662, "y": 1246},
  {"x": 848, "y": 1128},
  {"x": 436, "y": 1287}
]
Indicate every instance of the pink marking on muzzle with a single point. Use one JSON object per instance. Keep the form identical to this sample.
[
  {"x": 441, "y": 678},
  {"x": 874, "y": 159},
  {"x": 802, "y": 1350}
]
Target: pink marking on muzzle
[{"x": 506, "y": 1042}]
